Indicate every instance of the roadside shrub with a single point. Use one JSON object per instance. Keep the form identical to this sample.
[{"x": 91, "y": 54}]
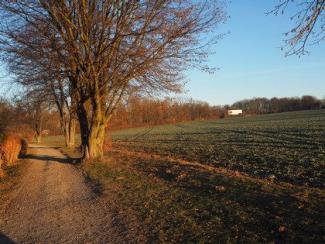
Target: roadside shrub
[{"x": 10, "y": 149}]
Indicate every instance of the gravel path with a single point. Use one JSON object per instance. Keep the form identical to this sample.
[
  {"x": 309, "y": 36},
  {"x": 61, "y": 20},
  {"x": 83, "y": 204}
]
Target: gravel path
[{"x": 53, "y": 204}]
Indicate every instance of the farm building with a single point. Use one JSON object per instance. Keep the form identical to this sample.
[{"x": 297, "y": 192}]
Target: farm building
[{"x": 235, "y": 112}]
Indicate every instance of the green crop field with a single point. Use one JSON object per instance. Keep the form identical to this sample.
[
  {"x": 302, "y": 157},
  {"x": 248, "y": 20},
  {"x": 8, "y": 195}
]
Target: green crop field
[{"x": 288, "y": 147}]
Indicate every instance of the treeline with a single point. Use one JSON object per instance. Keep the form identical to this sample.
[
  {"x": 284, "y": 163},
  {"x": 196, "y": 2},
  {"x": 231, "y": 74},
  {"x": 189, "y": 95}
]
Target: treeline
[
  {"x": 13, "y": 119},
  {"x": 278, "y": 105},
  {"x": 139, "y": 111},
  {"x": 30, "y": 121}
]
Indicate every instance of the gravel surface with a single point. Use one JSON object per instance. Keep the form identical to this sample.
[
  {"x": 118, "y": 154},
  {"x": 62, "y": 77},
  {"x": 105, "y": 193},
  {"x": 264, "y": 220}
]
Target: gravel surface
[{"x": 53, "y": 204}]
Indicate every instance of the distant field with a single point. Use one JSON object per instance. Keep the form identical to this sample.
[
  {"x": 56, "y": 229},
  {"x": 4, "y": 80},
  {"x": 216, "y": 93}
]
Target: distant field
[
  {"x": 174, "y": 202},
  {"x": 289, "y": 146}
]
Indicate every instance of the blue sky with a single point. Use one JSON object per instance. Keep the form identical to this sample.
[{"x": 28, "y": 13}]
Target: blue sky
[{"x": 251, "y": 62}]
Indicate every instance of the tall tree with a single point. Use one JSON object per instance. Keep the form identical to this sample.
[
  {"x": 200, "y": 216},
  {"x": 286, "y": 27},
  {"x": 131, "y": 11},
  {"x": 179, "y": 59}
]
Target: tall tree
[{"x": 105, "y": 48}]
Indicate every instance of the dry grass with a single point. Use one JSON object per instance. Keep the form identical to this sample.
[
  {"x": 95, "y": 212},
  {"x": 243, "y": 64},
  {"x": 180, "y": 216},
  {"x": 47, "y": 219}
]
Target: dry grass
[{"x": 10, "y": 149}]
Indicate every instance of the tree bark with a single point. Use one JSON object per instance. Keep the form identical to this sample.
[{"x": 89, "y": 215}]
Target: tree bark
[
  {"x": 69, "y": 132},
  {"x": 72, "y": 133},
  {"x": 92, "y": 131},
  {"x": 96, "y": 141}
]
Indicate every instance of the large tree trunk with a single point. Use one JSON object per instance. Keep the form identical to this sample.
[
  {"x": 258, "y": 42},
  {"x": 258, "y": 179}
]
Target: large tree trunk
[
  {"x": 96, "y": 141},
  {"x": 92, "y": 132}
]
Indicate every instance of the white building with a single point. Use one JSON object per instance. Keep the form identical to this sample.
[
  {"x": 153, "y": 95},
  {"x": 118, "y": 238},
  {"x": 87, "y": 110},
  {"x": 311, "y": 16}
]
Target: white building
[{"x": 235, "y": 112}]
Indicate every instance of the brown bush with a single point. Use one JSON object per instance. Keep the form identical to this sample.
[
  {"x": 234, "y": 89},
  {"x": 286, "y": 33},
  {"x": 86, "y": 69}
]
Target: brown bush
[{"x": 10, "y": 149}]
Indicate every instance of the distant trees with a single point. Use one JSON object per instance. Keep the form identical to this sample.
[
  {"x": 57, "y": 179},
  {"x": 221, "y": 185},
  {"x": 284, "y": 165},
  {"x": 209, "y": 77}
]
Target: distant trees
[
  {"x": 140, "y": 111},
  {"x": 27, "y": 118},
  {"x": 103, "y": 50},
  {"x": 277, "y": 105},
  {"x": 309, "y": 23},
  {"x": 22, "y": 118}
]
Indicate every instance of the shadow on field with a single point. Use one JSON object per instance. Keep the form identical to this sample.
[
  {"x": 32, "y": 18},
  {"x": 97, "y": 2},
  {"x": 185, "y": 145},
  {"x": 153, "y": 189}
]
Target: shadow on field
[{"x": 245, "y": 208}]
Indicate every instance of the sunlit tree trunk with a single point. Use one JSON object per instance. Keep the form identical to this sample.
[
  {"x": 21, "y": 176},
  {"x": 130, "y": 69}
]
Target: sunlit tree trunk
[
  {"x": 69, "y": 132},
  {"x": 72, "y": 133},
  {"x": 96, "y": 141},
  {"x": 92, "y": 122}
]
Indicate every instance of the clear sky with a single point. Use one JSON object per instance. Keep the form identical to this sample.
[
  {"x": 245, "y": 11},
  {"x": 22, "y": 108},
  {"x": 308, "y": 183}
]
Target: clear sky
[{"x": 251, "y": 62}]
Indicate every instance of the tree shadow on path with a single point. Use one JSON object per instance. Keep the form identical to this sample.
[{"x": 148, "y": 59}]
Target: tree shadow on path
[
  {"x": 5, "y": 239},
  {"x": 50, "y": 158}
]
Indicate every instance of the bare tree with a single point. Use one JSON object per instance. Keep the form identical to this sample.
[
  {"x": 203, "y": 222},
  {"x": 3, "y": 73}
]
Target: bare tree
[
  {"x": 42, "y": 78},
  {"x": 105, "y": 48},
  {"x": 309, "y": 24}
]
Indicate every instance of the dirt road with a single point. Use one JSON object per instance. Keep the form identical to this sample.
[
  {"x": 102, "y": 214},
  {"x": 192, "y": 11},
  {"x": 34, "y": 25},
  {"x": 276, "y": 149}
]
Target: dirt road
[{"x": 53, "y": 204}]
